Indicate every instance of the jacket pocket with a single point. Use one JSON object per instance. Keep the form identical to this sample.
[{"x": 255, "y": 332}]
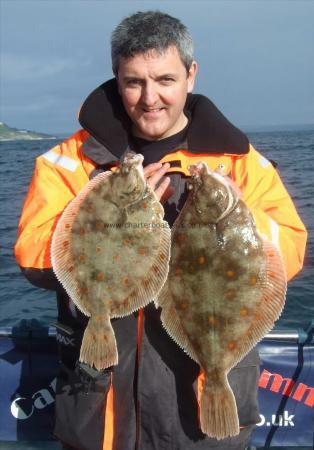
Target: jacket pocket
[
  {"x": 243, "y": 379},
  {"x": 80, "y": 406}
]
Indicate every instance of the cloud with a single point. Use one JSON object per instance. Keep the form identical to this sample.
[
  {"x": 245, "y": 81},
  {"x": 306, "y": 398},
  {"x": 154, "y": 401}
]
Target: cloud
[
  {"x": 20, "y": 68},
  {"x": 38, "y": 105}
]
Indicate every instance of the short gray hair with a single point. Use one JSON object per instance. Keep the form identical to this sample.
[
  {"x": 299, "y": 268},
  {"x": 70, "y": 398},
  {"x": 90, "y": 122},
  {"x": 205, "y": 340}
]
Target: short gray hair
[{"x": 150, "y": 30}]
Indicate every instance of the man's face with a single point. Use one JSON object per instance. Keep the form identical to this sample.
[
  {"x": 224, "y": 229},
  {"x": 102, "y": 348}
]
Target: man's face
[{"x": 153, "y": 88}]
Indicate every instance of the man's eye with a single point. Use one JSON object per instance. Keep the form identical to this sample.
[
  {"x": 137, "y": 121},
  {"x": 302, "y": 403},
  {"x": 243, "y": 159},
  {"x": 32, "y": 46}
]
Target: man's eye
[
  {"x": 133, "y": 82},
  {"x": 167, "y": 80}
]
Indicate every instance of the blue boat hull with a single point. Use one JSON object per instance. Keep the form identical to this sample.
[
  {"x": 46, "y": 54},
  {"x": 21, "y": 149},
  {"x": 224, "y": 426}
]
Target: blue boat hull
[{"x": 28, "y": 368}]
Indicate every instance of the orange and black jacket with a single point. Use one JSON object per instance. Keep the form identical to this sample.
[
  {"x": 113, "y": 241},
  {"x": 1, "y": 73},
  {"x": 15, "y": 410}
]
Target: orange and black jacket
[{"x": 148, "y": 401}]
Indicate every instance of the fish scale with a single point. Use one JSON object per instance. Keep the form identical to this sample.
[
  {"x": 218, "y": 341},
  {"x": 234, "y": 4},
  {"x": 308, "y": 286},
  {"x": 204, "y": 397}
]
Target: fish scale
[{"x": 225, "y": 288}]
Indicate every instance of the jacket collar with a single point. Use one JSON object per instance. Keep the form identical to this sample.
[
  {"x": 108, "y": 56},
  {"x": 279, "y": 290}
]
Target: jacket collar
[{"x": 104, "y": 117}]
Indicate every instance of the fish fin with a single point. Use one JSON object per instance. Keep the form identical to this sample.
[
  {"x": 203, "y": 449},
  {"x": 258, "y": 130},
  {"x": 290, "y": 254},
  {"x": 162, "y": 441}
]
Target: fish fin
[
  {"x": 171, "y": 322},
  {"x": 218, "y": 411},
  {"x": 273, "y": 287},
  {"x": 61, "y": 257},
  {"x": 99, "y": 348},
  {"x": 143, "y": 294}
]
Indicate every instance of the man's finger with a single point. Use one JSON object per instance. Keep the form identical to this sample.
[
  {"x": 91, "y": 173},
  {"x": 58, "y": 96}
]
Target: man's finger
[
  {"x": 162, "y": 188},
  {"x": 151, "y": 168},
  {"x": 168, "y": 193},
  {"x": 154, "y": 179}
]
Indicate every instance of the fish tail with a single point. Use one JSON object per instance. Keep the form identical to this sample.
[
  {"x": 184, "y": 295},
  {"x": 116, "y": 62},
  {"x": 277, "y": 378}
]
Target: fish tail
[
  {"x": 99, "y": 348},
  {"x": 218, "y": 411}
]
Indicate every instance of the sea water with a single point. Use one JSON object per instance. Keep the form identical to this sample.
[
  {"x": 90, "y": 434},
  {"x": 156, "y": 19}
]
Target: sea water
[{"x": 293, "y": 152}]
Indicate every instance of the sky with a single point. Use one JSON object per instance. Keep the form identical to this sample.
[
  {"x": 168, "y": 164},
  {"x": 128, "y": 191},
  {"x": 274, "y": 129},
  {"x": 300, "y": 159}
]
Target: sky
[{"x": 256, "y": 58}]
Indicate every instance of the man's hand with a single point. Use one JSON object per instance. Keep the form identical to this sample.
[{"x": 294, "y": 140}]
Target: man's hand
[{"x": 153, "y": 174}]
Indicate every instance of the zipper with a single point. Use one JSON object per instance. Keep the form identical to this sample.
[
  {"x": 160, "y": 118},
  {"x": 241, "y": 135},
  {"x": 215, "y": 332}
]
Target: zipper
[{"x": 140, "y": 324}]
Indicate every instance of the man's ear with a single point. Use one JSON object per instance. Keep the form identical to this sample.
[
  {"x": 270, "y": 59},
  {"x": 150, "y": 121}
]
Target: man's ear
[{"x": 191, "y": 76}]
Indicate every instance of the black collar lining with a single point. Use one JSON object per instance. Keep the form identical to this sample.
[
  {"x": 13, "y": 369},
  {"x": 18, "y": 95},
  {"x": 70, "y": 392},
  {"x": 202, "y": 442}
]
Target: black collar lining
[{"x": 104, "y": 117}]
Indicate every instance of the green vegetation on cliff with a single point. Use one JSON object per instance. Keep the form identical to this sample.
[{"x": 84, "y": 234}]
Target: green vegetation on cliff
[{"x": 13, "y": 134}]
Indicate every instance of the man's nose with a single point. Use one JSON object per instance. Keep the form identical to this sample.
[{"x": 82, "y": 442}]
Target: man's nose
[{"x": 149, "y": 95}]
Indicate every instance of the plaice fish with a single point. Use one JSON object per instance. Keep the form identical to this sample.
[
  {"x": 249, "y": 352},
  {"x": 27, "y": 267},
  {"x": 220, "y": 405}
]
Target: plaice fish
[
  {"x": 111, "y": 251},
  {"x": 225, "y": 288}
]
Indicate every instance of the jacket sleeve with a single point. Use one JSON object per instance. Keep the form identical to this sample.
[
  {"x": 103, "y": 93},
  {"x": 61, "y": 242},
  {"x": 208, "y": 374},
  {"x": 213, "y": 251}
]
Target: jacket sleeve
[
  {"x": 58, "y": 177},
  {"x": 273, "y": 210}
]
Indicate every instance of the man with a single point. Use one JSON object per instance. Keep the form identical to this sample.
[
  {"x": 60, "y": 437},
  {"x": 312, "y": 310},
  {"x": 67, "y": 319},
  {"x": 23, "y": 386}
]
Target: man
[{"x": 148, "y": 401}]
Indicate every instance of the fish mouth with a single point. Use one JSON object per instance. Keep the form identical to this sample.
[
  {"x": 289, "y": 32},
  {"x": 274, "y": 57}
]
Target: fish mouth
[
  {"x": 132, "y": 158},
  {"x": 133, "y": 161},
  {"x": 196, "y": 172},
  {"x": 201, "y": 168},
  {"x": 198, "y": 169}
]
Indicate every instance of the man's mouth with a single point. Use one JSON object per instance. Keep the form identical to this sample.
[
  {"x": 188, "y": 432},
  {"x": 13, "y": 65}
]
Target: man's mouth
[
  {"x": 152, "y": 113},
  {"x": 152, "y": 110}
]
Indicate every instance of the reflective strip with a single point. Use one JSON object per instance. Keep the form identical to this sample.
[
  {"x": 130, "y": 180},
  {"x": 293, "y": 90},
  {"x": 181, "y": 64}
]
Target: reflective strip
[
  {"x": 140, "y": 321},
  {"x": 109, "y": 420},
  {"x": 263, "y": 161},
  {"x": 274, "y": 229},
  {"x": 60, "y": 160},
  {"x": 200, "y": 387}
]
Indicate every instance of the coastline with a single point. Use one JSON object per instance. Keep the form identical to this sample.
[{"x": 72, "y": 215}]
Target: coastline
[{"x": 27, "y": 139}]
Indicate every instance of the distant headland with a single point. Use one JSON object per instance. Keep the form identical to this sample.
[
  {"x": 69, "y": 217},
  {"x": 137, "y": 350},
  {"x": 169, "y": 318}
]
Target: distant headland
[{"x": 14, "y": 134}]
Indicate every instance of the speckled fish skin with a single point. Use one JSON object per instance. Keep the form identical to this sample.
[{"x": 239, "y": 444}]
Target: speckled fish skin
[
  {"x": 226, "y": 286},
  {"x": 111, "y": 251}
]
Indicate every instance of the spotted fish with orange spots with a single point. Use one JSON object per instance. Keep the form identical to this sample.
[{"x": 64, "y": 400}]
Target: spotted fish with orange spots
[
  {"x": 111, "y": 251},
  {"x": 225, "y": 288}
]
